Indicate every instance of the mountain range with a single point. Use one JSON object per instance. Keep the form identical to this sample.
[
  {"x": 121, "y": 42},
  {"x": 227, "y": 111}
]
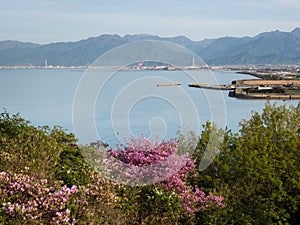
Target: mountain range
[{"x": 275, "y": 47}]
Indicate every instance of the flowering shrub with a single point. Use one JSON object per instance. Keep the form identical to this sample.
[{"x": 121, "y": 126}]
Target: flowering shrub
[
  {"x": 27, "y": 198},
  {"x": 97, "y": 202},
  {"x": 143, "y": 162},
  {"x": 193, "y": 199},
  {"x": 144, "y": 152}
]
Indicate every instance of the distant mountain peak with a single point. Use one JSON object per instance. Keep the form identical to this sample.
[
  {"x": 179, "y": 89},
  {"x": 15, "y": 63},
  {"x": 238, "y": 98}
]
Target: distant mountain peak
[
  {"x": 146, "y": 37},
  {"x": 296, "y": 32},
  {"x": 140, "y": 37},
  {"x": 182, "y": 38},
  {"x": 16, "y": 44}
]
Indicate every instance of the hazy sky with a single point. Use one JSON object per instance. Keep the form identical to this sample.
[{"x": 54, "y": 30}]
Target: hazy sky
[{"x": 44, "y": 21}]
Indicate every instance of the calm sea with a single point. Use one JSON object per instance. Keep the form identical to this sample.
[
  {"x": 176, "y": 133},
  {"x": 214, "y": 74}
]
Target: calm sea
[{"x": 108, "y": 105}]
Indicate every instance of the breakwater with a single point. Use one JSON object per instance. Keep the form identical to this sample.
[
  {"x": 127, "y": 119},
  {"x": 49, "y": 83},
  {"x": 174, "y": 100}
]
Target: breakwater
[{"x": 258, "y": 89}]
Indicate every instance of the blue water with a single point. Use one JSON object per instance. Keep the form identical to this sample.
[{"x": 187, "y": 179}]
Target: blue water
[{"x": 123, "y": 101}]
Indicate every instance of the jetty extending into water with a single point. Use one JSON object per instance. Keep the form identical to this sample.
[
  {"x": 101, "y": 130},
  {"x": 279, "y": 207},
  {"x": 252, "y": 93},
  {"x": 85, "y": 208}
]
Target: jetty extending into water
[
  {"x": 258, "y": 89},
  {"x": 225, "y": 87}
]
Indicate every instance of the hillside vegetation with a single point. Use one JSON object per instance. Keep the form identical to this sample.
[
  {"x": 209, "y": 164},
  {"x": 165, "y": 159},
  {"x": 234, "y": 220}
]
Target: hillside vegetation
[{"x": 254, "y": 179}]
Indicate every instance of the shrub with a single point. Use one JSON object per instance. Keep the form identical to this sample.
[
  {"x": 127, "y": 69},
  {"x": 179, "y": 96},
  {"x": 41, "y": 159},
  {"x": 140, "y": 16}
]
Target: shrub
[
  {"x": 29, "y": 199},
  {"x": 257, "y": 170}
]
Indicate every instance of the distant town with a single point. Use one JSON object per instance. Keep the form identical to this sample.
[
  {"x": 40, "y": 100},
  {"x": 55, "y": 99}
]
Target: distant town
[{"x": 261, "y": 71}]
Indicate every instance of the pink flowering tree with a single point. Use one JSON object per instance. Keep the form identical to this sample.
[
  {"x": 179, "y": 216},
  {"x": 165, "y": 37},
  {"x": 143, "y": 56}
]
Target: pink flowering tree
[{"x": 155, "y": 178}]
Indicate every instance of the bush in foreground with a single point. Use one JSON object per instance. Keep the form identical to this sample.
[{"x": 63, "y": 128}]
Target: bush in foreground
[{"x": 257, "y": 170}]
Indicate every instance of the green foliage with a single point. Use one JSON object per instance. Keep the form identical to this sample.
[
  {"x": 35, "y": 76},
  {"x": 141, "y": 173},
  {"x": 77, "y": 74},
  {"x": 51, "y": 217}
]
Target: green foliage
[
  {"x": 158, "y": 206},
  {"x": 40, "y": 151},
  {"x": 24, "y": 146},
  {"x": 258, "y": 170},
  {"x": 151, "y": 205},
  {"x": 72, "y": 168},
  {"x": 61, "y": 137}
]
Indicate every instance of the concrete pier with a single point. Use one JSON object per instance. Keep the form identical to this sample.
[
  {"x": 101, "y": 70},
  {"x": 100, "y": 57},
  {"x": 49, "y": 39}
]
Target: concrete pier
[{"x": 258, "y": 89}]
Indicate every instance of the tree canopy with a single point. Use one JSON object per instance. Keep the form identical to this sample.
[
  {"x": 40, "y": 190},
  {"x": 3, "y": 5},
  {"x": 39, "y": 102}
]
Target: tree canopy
[{"x": 258, "y": 169}]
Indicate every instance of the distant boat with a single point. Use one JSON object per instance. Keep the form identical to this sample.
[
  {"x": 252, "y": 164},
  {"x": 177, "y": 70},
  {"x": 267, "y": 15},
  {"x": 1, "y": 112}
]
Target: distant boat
[{"x": 168, "y": 84}]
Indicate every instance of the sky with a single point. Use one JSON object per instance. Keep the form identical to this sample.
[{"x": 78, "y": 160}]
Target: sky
[{"x": 46, "y": 21}]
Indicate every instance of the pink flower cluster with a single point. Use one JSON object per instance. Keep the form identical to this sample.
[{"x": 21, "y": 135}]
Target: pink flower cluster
[
  {"x": 176, "y": 171},
  {"x": 193, "y": 199},
  {"x": 27, "y": 197},
  {"x": 144, "y": 152},
  {"x": 143, "y": 161}
]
